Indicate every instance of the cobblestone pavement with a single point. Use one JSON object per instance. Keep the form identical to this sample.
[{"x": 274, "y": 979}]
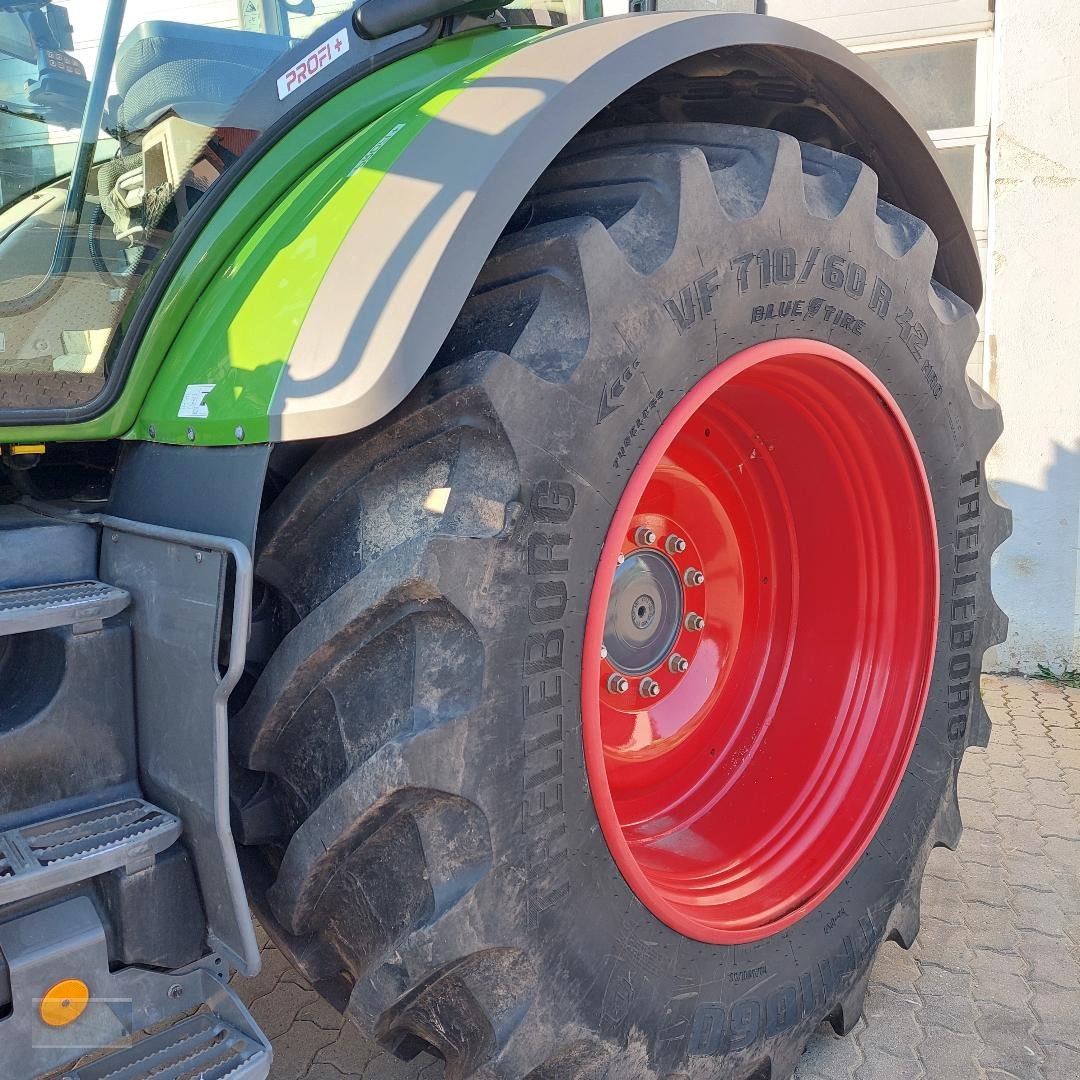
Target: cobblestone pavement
[{"x": 991, "y": 990}]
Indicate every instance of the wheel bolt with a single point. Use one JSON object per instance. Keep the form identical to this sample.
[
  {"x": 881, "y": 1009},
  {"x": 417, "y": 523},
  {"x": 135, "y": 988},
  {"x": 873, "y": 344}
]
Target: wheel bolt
[
  {"x": 617, "y": 684},
  {"x": 679, "y": 664},
  {"x": 649, "y": 688},
  {"x": 694, "y": 577},
  {"x": 644, "y": 536},
  {"x": 675, "y": 545},
  {"x": 695, "y": 622}
]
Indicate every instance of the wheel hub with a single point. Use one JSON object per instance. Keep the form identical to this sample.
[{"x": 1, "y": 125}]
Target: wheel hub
[
  {"x": 644, "y": 612},
  {"x": 759, "y": 641}
]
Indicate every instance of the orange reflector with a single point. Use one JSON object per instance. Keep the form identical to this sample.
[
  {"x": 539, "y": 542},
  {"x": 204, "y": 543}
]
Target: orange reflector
[
  {"x": 64, "y": 1002},
  {"x": 28, "y": 448}
]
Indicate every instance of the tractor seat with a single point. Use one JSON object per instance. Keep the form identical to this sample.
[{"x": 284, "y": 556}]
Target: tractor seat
[{"x": 198, "y": 72}]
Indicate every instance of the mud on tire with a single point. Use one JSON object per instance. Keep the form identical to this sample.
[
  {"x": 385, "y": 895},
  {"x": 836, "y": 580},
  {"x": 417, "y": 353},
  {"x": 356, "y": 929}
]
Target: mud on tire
[{"x": 438, "y": 869}]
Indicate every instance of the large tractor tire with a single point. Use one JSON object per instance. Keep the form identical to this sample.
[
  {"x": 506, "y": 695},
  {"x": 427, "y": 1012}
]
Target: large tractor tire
[{"x": 634, "y": 656}]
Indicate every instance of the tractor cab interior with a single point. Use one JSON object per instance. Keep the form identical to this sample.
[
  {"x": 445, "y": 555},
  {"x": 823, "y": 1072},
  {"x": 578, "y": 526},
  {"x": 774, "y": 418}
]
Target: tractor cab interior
[
  {"x": 196, "y": 72},
  {"x": 113, "y": 125}
]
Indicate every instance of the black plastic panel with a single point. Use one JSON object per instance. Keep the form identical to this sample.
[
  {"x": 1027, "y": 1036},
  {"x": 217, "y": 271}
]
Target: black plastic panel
[
  {"x": 67, "y": 730},
  {"x": 36, "y": 550}
]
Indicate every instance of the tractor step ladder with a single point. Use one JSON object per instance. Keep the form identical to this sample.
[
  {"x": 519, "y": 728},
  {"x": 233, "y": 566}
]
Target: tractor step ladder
[
  {"x": 204, "y": 1046},
  {"x": 61, "y": 851},
  {"x": 82, "y": 605}
]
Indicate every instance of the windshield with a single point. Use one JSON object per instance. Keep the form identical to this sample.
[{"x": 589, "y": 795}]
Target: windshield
[{"x": 116, "y": 117}]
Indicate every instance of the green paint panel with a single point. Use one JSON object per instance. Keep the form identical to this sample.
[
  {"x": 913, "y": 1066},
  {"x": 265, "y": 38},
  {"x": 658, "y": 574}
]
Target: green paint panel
[
  {"x": 243, "y": 327},
  {"x": 235, "y": 304},
  {"x": 240, "y": 334}
]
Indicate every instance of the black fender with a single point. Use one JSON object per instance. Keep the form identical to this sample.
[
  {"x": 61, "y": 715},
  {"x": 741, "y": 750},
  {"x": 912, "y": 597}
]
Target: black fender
[{"x": 406, "y": 265}]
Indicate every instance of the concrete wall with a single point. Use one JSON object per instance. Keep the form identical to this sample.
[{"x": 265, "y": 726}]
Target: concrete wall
[{"x": 1033, "y": 326}]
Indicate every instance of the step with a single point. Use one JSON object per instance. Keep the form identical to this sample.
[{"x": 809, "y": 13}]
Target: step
[
  {"x": 61, "y": 851},
  {"x": 203, "y": 1046},
  {"x": 80, "y": 604}
]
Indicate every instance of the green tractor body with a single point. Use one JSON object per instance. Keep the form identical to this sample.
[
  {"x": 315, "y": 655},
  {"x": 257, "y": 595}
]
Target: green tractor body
[{"x": 270, "y": 465}]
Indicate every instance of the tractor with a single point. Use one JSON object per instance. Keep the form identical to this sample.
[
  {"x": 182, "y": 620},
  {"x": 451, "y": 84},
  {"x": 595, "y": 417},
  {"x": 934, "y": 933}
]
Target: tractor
[{"x": 491, "y": 494}]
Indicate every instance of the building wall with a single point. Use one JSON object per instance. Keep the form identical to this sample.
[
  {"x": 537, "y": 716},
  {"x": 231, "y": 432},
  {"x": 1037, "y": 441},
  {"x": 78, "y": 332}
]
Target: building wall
[
  {"x": 1033, "y": 326},
  {"x": 857, "y": 21},
  {"x": 850, "y": 21}
]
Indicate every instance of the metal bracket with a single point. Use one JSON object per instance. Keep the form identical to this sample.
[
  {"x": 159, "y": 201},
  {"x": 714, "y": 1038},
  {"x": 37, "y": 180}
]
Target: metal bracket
[{"x": 67, "y": 941}]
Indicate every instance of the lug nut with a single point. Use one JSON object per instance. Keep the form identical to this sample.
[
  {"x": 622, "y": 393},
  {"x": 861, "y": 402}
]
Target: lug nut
[
  {"x": 695, "y": 622},
  {"x": 617, "y": 684},
  {"x": 644, "y": 536},
  {"x": 649, "y": 688},
  {"x": 694, "y": 577},
  {"x": 675, "y": 545},
  {"x": 679, "y": 664}
]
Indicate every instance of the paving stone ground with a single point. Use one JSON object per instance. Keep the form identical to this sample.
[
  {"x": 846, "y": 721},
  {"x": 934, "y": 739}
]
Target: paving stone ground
[{"x": 991, "y": 990}]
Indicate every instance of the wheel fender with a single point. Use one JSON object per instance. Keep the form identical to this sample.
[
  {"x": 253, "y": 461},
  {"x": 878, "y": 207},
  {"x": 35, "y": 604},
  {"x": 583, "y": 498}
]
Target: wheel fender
[{"x": 405, "y": 266}]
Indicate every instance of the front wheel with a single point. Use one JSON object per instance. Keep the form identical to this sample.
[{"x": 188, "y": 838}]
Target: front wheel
[{"x": 636, "y": 653}]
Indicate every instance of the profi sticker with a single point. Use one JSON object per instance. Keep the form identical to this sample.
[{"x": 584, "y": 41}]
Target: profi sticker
[
  {"x": 330, "y": 50},
  {"x": 193, "y": 405}
]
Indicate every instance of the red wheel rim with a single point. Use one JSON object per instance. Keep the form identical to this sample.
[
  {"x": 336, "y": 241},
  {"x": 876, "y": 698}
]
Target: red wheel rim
[{"x": 741, "y": 794}]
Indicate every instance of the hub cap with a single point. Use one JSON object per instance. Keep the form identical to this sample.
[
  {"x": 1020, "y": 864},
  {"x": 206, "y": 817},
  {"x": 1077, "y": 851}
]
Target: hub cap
[
  {"x": 756, "y": 671},
  {"x": 643, "y": 613}
]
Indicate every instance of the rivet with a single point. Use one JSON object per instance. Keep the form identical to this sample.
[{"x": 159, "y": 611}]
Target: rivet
[
  {"x": 649, "y": 688},
  {"x": 644, "y": 536},
  {"x": 693, "y": 577},
  {"x": 190, "y": 434},
  {"x": 239, "y": 433},
  {"x": 152, "y": 431},
  {"x": 621, "y": 558},
  {"x": 115, "y": 538},
  {"x": 694, "y": 622},
  {"x": 675, "y": 545},
  {"x": 617, "y": 684},
  {"x": 603, "y": 652},
  {"x": 198, "y": 556},
  {"x": 176, "y": 991},
  {"x": 678, "y": 664}
]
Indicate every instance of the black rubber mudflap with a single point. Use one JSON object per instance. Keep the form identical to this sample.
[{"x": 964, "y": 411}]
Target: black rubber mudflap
[{"x": 440, "y": 857}]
